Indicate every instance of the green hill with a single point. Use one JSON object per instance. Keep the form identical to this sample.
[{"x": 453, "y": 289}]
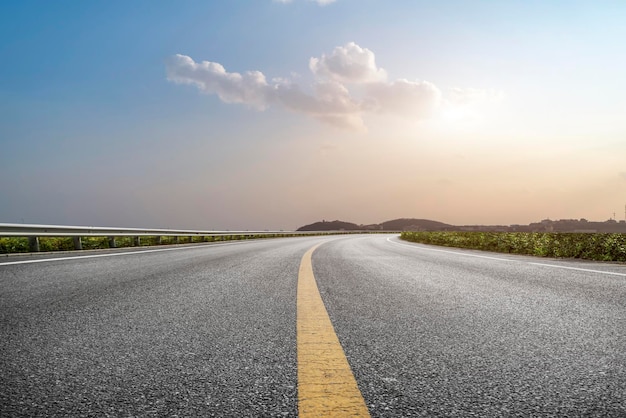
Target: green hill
[
  {"x": 404, "y": 224},
  {"x": 412, "y": 224},
  {"x": 330, "y": 226}
]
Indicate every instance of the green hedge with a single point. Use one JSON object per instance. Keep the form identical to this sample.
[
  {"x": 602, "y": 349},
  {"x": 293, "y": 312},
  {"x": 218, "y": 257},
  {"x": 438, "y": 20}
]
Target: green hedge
[
  {"x": 603, "y": 247},
  {"x": 13, "y": 245},
  {"x": 20, "y": 245}
]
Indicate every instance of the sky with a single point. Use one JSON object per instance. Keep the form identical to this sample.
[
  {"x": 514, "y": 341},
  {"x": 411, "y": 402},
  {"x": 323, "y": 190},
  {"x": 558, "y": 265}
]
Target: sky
[{"x": 266, "y": 114}]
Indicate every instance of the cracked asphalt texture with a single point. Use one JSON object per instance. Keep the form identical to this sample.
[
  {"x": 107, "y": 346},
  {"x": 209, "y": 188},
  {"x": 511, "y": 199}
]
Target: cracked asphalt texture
[{"x": 210, "y": 331}]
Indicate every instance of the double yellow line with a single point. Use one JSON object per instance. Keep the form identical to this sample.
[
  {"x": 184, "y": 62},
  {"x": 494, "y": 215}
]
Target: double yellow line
[{"x": 326, "y": 385}]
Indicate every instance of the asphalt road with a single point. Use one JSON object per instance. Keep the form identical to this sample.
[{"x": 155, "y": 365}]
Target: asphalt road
[{"x": 211, "y": 331}]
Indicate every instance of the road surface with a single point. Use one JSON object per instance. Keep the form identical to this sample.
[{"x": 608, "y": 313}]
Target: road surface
[{"x": 211, "y": 330}]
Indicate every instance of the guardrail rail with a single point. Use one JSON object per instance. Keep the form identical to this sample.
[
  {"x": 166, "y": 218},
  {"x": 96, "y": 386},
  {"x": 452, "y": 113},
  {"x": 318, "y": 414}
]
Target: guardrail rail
[{"x": 34, "y": 231}]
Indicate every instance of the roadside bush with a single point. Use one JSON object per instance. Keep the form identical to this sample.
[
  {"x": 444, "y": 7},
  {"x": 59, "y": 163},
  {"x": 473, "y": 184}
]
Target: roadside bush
[
  {"x": 602, "y": 247},
  {"x": 20, "y": 244},
  {"x": 56, "y": 243},
  {"x": 93, "y": 243},
  {"x": 13, "y": 245}
]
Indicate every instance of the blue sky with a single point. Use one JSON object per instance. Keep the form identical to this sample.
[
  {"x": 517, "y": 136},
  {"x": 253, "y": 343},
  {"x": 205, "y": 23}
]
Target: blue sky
[{"x": 360, "y": 110}]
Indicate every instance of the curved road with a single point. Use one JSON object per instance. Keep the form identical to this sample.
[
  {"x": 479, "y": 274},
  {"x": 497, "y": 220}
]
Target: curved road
[{"x": 210, "y": 330}]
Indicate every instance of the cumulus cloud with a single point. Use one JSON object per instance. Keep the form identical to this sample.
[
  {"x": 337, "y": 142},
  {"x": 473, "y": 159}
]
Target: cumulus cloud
[
  {"x": 348, "y": 84},
  {"x": 330, "y": 103},
  {"x": 348, "y": 64},
  {"x": 250, "y": 88}
]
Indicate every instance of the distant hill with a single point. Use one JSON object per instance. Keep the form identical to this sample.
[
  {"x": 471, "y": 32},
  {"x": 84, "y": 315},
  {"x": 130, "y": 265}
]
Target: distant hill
[
  {"x": 395, "y": 225},
  {"x": 330, "y": 226},
  {"x": 412, "y": 224}
]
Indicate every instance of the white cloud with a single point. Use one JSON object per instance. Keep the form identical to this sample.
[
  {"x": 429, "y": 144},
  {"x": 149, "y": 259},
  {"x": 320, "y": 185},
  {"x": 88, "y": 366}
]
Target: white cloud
[
  {"x": 330, "y": 98},
  {"x": 330, "y": 103},
  {"x": 348, "y": 64},
  {"x": 250, "y": 88}
]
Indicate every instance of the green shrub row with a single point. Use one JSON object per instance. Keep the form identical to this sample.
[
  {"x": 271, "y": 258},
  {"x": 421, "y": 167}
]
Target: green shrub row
[
  {"x": 20, "y": 245},
  {"x": 603, "y": 247}
]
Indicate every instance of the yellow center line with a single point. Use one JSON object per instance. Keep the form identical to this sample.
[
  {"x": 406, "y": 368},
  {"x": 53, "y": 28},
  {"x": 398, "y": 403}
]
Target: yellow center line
[{"x": 326, "y": 385}]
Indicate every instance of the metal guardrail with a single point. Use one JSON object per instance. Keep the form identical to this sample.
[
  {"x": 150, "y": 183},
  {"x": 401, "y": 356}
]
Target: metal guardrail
[
  {"x": 23, "y": 230},
  {"x": 33, "y": 232}
]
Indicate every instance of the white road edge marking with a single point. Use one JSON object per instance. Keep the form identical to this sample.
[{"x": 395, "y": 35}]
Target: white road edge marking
[
  {"x": 44, "y": 260},
  {"x": 612, "y": 273},
  {"x": 451, "y": 252}
]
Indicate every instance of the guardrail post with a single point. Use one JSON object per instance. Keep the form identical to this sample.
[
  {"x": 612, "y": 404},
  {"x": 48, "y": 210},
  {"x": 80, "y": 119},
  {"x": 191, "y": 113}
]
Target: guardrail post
[
  {"x": 177, "y": 240},
  {"x": 159, "y": 240},
  {"x": 33, "y": 244},
  {"x": 112, "y": 243},
  {"x": 136, "y": 241},
  {"x": 78, "y": 244}
]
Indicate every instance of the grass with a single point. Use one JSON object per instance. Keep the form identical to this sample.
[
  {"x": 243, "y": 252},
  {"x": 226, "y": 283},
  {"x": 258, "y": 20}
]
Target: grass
[{"x": 601, "y": 247}]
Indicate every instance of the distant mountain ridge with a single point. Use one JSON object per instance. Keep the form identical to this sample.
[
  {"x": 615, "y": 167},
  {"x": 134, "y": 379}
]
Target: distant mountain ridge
[
  {"x": 413, "y": 224},
  {"x": 393, "y": 225}
]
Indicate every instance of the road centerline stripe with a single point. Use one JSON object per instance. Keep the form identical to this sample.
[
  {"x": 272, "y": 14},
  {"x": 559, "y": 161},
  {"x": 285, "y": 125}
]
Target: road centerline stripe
[{"x": 326, "y": 385}]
